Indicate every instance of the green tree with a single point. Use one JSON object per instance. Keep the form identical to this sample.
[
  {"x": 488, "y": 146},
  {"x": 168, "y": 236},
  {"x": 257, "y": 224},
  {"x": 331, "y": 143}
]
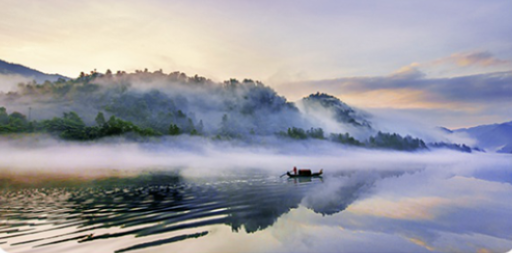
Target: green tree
[
  {"x": 345, "y": 139},
  {"x": 4, "y": 117},
  {"x": 114, "y": 126},
  {"x": 100, "y": 119},
  {"x": 18, "y": 122},
  {"x": 317, "y": 133},
  {"x": 174, "y": 129},
  {"x": 73, "y": 117},
  {"x": 70, "y": 126},
  {"x": 297, "y": 133}
]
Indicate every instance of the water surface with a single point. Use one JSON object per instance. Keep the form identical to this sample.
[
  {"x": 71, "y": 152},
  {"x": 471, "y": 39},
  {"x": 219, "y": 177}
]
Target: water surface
[{"x": 351, "y": 211}]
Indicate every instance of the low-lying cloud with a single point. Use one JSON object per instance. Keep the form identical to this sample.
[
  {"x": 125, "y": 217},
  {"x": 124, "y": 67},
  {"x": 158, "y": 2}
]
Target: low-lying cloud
[
  {"x": 8, "y": 82},
  {"x": 200, "y": 156},
  {"x": 433, "y": 200}
]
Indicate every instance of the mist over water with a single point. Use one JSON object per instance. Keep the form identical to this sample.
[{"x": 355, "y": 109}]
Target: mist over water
[{"x": 189, "y": 194}]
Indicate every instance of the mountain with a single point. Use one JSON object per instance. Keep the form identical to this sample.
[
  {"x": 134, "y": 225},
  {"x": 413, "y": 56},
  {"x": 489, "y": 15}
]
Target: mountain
[
  {"x": 445, "y": 130},
  {"x": 506, "y": 149},
  {"x": 341, "y": 112},
  {"x": 7, "y": 68},
  {"x": 157, "y": 100},
  {"x": 157, "y": 104},
  {"x": 495, "y": 137}
]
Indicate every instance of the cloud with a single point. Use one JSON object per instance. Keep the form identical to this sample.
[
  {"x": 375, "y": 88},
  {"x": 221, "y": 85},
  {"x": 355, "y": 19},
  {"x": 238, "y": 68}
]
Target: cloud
[
  {"x": 456, "y": 81},
  {"x": 409, "y": 82},
  {"x": 460, "y": 101},
  {"x": 422, "y": 208},
  {"x": 478, "y": 58},
  {"x": 408, "y": 72}
]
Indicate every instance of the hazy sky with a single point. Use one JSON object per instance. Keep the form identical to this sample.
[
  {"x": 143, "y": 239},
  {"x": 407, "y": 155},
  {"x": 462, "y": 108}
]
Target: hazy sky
[{"x": 285, "y": 44}]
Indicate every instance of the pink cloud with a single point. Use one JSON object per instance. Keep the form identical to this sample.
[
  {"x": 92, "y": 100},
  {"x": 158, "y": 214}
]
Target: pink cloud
[{"x": 482, "y": 58}]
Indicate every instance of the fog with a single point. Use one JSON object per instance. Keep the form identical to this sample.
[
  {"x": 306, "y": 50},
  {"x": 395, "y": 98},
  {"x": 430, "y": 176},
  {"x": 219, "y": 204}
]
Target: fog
[
  {"x": 414, "y": 124},
  {"x": 369, "y": 200},
  {"x": 8, "y": 82},
  {"x": 198, "y": 156}
]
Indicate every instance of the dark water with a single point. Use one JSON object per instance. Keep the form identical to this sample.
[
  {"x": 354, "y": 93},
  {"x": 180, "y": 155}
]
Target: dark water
[
  {"x": 158, "y": 212},
  {"x": 155, "y": 203}
]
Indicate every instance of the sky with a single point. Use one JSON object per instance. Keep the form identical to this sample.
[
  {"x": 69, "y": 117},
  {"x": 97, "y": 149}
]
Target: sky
[{"x": 448, "y": 62}]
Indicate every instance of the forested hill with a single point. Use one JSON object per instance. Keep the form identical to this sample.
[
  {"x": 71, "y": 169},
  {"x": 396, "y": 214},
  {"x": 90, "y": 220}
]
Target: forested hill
[
  {"x": 340, "y": 111},
  {"x": 158, "y": 100},
  {"x": 7, "y": 68},
  {"x": 146, "y": 103}
]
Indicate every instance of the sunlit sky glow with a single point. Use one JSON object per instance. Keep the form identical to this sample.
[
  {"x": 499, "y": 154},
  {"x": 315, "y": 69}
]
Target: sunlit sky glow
[{"x": 281, "y": 43}]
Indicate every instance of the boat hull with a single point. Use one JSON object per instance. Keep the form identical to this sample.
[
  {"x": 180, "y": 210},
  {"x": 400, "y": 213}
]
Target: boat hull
[{"x": 303, "y": 176}]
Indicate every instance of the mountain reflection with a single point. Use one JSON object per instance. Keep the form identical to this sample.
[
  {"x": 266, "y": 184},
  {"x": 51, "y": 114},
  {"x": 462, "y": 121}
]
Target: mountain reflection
[
  {"x": 158, "y": 203},
  {"x": 343, "y": 189}
]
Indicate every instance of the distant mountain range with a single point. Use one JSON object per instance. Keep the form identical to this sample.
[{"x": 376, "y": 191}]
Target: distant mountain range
[
  {"x": 495, "y": 137},
  {"x": 7, "y": 68}
]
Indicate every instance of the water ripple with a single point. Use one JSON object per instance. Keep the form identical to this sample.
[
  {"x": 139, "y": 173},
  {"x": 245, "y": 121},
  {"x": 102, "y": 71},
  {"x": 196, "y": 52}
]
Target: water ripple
[{"x": 158, "y": 205}]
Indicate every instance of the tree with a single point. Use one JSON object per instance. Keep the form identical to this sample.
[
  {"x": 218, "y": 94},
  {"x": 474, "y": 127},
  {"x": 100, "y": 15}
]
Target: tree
[
  {"x": 17, "y": 116},
  {"x": 174, "y": 129},
  {"x": 113, "y": 126},
  {"x": 225, "y": 128},
  {"x": 70, "y": 126},
  {"x": 297, "y": 133},
  {"x": 180, "y": 114},
  {"x": 74, "y": 118},
  {"x": 189, "y": 126},
  {"x": 200, "y": 126},
  {"x": 317, "y": 133},
  {"x": 345, "y": 139},
  {"x": 18, "y": 121},
  {"x": 4, "y": 117},
  {"x": 100, "y": 119},
  {"x": 395, "y": 141},
  {"x": 13, "y": 123}
]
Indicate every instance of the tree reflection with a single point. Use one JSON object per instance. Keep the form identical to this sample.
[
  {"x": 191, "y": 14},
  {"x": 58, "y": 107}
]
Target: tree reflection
[{"x": 157, "y": 203}]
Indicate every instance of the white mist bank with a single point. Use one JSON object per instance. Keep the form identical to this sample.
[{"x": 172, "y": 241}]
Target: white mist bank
[
  {"x": 368, "y": 201},
  {"x": 196, "y": 156}
]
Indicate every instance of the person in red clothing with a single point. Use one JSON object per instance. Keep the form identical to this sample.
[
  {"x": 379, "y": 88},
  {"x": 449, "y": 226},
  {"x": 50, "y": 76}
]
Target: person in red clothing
[{"x": 295, "y": 170}]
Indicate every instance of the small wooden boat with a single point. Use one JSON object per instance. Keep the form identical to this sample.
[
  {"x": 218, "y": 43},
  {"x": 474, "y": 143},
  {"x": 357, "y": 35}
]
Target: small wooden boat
[{"x": 304, "y": 173}]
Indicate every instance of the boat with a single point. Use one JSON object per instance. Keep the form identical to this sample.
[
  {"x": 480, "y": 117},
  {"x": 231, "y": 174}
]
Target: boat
[{"x": 303, "y": 173}]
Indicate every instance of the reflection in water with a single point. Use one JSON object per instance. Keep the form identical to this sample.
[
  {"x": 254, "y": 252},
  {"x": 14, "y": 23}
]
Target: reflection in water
[
  {"x": 352, "y": 211},
  {"x": 348, "y": 186},
  {"x": 147, "y": 205}
]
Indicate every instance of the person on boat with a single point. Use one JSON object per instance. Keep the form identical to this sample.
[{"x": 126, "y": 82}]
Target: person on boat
[{"x": 295, "y": 170}]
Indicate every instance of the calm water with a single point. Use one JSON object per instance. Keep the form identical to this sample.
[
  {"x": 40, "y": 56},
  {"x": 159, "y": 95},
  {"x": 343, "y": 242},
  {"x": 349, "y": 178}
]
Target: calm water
[{"x": 364, "y": 211}]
